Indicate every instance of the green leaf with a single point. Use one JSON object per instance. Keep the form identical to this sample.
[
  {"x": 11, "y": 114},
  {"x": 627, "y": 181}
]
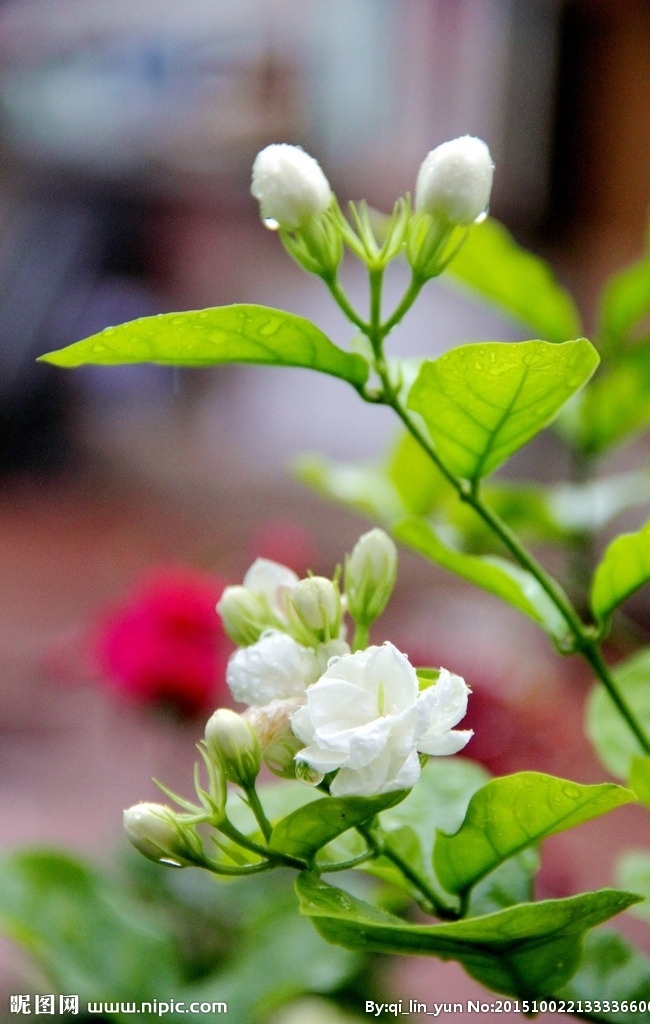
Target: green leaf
[
  {"x": 640, "y": 778},
  {"x": 498, "y": 576},
  {"x": 482, "y": 402},
  {"x": 307, "y": 829},
  {"x": 358, "y": 486},
  {"x": 87, "y": 937},
  {"x": 523, "y": 950},
  {"x": 209, "y": 337},
  {"x": 512, "y": 813},
  {"x": 616, "y": 406},
  {"x": 624, "y": 301},
  {"x": 522, "y": 285},
  {"x": 610, "y": 971},
  {"x": 633, "y": 871},
  {"x": 614, "y": 742},
  {"x": 624, "y": 568},
  {"x": 417, "y": 480},
  {"x": 588, "y": 507}
]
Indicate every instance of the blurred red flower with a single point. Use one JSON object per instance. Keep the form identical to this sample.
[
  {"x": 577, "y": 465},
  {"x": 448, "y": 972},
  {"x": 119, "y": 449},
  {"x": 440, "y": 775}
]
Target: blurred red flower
[{"x": 163, "y": 644}]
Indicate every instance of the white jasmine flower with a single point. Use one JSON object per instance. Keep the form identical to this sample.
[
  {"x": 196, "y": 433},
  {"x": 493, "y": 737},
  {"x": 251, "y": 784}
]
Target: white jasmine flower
[
  {"x": 455, "y": 180},
  {"x": 271, "y": 582},
  {"x": 274, "y": 668},
  {"x": 290, "y": 186},
  {"x": 367, "y": 717}
]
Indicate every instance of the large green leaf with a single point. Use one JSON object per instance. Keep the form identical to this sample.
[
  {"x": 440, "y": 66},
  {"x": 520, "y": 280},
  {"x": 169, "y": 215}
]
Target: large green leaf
[
  {"x": 307, "y": 829},
  {"x": 512, "y": 813},
  {"x": 498, "y": 576},
  {"x": 617, "y": 747},
  {"x": 521, "y": 284},
  {"x": 611, "y": 978},
  {"x": 524, "y": 950},
  {"x": 87, "y": 937},
  {"x": 482, "y": 402},
  {"x": 208, "y": 337},
  {"x": 624, "y": 567}
]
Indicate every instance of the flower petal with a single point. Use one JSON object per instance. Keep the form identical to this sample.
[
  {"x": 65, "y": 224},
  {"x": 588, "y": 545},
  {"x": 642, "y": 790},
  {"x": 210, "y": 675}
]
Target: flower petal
[{"x": 448, "y": 743}]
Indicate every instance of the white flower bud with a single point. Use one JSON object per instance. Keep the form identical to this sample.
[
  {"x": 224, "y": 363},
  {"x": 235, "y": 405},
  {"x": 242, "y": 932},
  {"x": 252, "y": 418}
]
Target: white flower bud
[
  {"x": 242, "y": 614},
  {"x": 156, "y": 832},
  {"x": 370, "y": 571},
  {"x": 315, "y": 603},
  {"x": 455, "y": 181},
  {"x": 290, "y": 186},
  {"x": 232, "y": 742}
]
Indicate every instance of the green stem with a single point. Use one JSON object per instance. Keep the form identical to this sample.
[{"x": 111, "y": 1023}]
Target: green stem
[
  {"x": 407, "y": 300},
  {"x": 582, "y": 640},
  {"x": 376, "y": 334},
  {"x": 272, "y": 857},
  {"x": 361, "y": 636},
  {"x": 344, "y": 304},
  {"x": 580, "y": 636},
  {"x": 592, "y": 655},
  {"x": 256, "y": 807},
  {"x": 245, "y": 869},
  {"x": 432, "y": 903}
]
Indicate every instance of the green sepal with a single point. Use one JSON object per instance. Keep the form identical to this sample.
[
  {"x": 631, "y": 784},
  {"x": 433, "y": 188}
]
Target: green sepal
[
  {"x": 209, "y": 337},
  {"x": 524, "y": 950},
  {"x": 512, "y": 813},
  {"x": 482, "y": 402}
]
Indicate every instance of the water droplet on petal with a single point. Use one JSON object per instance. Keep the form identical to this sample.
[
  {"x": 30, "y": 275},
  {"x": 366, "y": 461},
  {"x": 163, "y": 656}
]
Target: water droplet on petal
[{"x": 271, "y": 223}]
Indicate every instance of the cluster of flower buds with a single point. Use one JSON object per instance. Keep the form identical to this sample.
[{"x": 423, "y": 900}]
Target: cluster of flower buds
[
  {"x": 452, "y": 191},
  {"x": 318, "y": 707},
  {"x": 316, "y": 704}
]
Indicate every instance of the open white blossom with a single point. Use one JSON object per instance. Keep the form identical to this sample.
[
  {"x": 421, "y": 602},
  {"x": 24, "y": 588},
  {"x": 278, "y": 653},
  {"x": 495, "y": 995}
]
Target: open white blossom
[
  {"x": 367, "y": 717},
  {"x": 289, "y": 185},
  {"x": 455, "y": 180},
  {"x": 274, "y": 668}
]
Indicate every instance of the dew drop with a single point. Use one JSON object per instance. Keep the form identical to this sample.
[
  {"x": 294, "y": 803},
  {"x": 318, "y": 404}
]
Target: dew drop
[
  {"x": 271, "y": 223},
  {"x": 270, "y": 327},
  {"x": 571, "y": 792}
]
